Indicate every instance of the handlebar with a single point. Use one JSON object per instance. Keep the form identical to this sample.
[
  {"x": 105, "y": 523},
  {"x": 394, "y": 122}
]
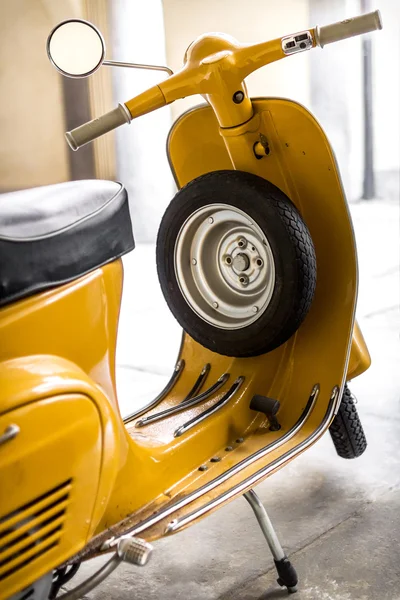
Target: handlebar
[
  {"x": 233, "y": 61},
  {"x": 93, "y": 129},
  {"x": 348, "y": 28}
]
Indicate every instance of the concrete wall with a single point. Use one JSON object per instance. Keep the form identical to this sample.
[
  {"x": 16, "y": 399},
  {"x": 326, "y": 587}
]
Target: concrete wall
[
  {"x": 386, "y": 64},
  {"x": 138, "y": 36},
  {"x": 335, "y": 85},
  {"x": 337, "y": 95},
  {"x": 32, "y": 147}
]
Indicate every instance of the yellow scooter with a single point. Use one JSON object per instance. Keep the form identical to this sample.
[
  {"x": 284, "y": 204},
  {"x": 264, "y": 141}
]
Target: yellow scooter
[{"x": 256, "y": 260}]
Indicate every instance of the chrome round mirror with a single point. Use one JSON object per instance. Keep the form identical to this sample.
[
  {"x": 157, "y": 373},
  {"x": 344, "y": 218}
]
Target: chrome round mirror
[{"x": 76, "y": 48}]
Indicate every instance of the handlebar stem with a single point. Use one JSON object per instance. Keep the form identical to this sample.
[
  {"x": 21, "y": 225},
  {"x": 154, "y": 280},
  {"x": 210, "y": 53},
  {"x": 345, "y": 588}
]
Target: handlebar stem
[{"x": 216, "y": 66}]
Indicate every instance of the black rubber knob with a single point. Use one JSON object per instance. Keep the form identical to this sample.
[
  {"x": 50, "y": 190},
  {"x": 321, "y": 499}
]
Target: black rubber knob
[{"x": 265, "y": 405}]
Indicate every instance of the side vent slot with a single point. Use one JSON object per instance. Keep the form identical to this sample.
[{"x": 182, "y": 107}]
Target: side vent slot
[{"x": 33, "y": 529}]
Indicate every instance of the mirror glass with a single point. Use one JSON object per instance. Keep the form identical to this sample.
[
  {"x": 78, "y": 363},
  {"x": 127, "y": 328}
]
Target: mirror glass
[{"x": 76, "y": 48}]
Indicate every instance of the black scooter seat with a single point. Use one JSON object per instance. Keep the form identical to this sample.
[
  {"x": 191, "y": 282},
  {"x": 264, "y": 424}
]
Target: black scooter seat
[{"x": 53, "y": 234}]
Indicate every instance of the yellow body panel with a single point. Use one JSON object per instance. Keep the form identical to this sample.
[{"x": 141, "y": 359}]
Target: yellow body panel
[
  {"x": 57, "y": 385},
  {"x": 196, "y": 146},
  {"x": 49, "y": 484},
  {"x": 360, "y": 359}
]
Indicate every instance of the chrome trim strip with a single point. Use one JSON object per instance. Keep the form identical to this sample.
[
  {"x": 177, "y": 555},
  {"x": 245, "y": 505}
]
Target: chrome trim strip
[
  {"x": 198, "y": 383},
  {"x": 177, "y": 524},
  {"x": 126, "y": 111},
  {"x": 10, "y": 432},
  {"x": 336, "y": 397},
  {"x": 180, "y": 365},
  {"x": 211, "y": 410},
  {"x": 185, "y": 404},
  {"x": 207, "y": 487}
]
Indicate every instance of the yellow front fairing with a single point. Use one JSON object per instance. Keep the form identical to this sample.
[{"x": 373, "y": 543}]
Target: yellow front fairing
[{"x": 301, "y": 163}]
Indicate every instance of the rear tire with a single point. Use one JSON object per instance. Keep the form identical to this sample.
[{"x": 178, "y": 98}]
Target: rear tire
[{"x": 346, "y": 430}]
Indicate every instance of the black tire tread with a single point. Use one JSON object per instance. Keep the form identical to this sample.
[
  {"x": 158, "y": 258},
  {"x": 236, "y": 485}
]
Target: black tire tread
[
  {"x": 306, "y": 260},
  {"x": 346, "y": 429}
]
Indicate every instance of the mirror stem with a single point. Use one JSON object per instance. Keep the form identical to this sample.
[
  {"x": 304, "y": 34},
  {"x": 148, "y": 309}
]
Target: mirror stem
[{"x": 114, "y": 63}]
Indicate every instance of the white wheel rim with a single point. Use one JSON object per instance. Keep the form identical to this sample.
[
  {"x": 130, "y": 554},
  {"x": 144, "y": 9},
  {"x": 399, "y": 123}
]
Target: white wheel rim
[{"x": 224, "y": 266}]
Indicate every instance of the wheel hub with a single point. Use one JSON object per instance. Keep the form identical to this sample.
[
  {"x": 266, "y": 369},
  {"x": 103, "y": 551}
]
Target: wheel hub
[
  {"x": 224, "y": 266},
  {"x": 241, "y": 262}
]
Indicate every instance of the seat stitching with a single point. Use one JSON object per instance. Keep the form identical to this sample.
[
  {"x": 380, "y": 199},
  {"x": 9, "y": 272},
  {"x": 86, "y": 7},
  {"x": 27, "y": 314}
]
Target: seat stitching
[{"x": 67, "y": 227}]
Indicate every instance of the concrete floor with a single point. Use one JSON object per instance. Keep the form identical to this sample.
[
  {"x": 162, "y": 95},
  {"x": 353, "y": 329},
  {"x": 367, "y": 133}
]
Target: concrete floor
[{"x": 338, "y": 520}]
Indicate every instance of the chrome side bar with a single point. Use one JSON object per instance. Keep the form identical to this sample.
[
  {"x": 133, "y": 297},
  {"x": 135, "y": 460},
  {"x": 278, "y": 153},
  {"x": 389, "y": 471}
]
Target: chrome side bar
[
  {"x": 204, "y": 489},
  {"x": 199, "y": 382},
  {"x": 185, "y": 404},
  {"x": 180, "y": 365},
  {"x": 249, "y": 482},
  {"x": 211, "y": 410}
]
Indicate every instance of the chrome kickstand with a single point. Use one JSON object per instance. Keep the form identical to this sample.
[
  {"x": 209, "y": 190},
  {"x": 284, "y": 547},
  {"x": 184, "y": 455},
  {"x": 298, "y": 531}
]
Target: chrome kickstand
[{"x": 287, "y": 576}]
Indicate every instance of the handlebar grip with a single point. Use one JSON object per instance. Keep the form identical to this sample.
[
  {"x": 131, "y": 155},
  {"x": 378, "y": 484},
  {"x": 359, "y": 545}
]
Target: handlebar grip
[
  {"x": 93, "y": 129},
  {"x": 348, "y": 28}
]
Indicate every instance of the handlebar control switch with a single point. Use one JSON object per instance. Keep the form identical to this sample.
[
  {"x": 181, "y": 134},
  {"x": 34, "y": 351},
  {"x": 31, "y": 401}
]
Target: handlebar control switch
[{"x": 299, "y": 42}]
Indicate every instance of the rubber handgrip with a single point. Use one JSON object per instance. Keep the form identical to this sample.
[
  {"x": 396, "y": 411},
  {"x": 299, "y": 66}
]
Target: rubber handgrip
[
  {"x": 348, "y": 28},
  {"x": 93, "y": 129}
]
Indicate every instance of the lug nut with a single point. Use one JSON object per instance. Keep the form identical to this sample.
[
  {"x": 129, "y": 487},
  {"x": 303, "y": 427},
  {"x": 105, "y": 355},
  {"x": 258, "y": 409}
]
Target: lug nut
[
  {"x": 243, "y": 279},
  {"x": 228, "y": 260},
  {"x": 255, "y": 309},
  {"x": 210, "y": 220},
  {"x": 194, "y": 261},
  {"x": 215, "y": 304},
  {"x": 242, "y": 243},
  {"x": 259, "y": 262}
]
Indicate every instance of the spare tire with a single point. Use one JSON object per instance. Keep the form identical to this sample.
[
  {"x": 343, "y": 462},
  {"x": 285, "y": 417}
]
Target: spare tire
[{"x": 236, "y": 263}]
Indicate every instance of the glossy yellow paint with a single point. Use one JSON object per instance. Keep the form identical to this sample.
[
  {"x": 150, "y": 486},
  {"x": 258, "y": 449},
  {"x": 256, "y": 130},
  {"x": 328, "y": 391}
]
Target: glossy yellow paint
[
  {"x": 57, "y": 352},
  {"x": 49, "y": 476},
  {"x": 302, "y": 164},
  {"x": 57, "y": 384},
  {"x": 215, "y": 66},
  {"x": 360, "y": 359},
  {"x": 297, "y": 143}
]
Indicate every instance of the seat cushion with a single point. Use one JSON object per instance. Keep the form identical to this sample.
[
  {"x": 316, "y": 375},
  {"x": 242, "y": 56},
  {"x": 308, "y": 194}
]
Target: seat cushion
[{"x": 53, "y": 234}]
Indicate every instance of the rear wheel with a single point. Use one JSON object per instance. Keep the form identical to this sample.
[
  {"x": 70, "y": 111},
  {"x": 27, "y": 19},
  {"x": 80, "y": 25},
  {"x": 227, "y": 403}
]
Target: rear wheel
[
  {"x": 346, "y": 430},
  {"x": 236, "y": 263}
]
